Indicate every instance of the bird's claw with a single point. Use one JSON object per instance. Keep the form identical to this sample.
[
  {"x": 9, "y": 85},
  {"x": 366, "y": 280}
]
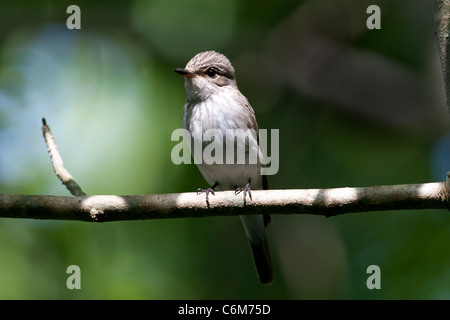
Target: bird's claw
[
  {"x": 207, "y": 192},
  {"x": 247, "y": 190}
]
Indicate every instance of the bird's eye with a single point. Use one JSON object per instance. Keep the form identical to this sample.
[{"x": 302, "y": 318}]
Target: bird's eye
[{"x": 211, "y": 73}]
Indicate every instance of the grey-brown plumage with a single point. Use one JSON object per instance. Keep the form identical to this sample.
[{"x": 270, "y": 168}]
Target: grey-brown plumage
[{"x": 215, "y": 102}]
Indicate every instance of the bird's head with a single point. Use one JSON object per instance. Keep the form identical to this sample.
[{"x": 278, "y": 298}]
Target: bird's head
[{"x": 206, "y": 73}]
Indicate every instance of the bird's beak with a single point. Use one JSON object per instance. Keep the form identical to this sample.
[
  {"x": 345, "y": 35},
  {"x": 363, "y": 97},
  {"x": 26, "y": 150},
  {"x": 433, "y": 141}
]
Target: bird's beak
[{"x": 184, "y": 72}]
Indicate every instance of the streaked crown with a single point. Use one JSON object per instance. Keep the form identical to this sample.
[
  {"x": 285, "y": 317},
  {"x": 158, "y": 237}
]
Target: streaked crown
[{"x": 211, "y": 62}]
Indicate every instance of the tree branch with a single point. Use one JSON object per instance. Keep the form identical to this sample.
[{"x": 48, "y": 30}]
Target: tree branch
[
  {"x": 327, "y": 202},
  {"x": 441, "y": 10},
  {"x": 57, "y": 162}
]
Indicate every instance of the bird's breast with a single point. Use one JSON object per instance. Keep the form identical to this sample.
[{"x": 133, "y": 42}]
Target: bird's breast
[{"x": 213, "y": 124}]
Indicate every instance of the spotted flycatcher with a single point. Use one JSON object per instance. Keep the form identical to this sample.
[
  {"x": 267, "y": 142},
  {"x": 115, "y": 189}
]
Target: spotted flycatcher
[{"x": 215, "y": 102}]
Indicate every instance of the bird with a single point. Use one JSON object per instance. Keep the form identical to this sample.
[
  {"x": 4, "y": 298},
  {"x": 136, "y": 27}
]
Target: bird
[{"x": 215, "y": 102}]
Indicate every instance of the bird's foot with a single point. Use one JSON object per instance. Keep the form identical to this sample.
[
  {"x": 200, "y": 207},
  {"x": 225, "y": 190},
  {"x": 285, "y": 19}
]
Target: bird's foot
[
  {"x": 207, "y": 192},
  {"x": 246, "y": 190}
]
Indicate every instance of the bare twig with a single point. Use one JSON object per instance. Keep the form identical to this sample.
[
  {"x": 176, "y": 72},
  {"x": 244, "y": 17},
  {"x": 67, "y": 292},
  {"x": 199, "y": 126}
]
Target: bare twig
[
  {"x": 441, "y": 10},
  {"x": 57, "y": 162},
  {"x": 327, "y": 202}
]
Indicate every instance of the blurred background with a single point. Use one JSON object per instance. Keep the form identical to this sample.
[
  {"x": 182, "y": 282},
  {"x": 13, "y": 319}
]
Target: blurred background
[{"x": 355, "y": 107}]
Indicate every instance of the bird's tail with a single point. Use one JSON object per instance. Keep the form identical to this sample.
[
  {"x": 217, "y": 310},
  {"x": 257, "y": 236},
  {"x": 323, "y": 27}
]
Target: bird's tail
[{"x": 254, "y": 228}]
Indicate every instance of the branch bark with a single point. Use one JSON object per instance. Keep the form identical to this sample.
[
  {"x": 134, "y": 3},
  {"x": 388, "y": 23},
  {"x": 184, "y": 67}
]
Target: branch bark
[
  {"x": 441, "y": 10},
  {"x": 57, "y": 162},
  {"x": 327, "y": 202}
]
